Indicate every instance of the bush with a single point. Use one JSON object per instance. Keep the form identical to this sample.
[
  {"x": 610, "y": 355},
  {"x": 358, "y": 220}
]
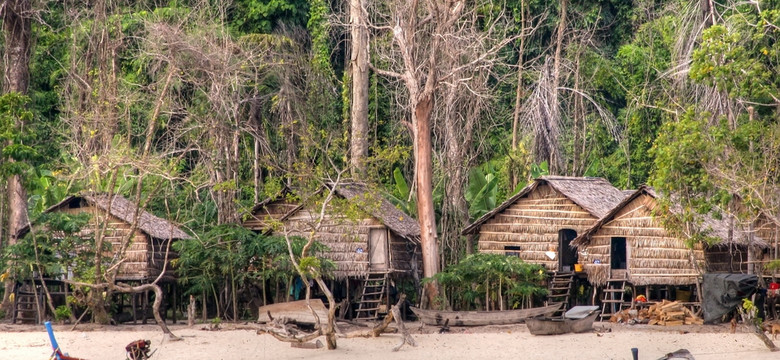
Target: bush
[{"x": 62, "y": 313}]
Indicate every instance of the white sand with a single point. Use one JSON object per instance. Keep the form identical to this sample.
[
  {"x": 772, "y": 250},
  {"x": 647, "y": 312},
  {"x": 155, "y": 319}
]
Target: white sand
[{"x": 508, "y": 342}]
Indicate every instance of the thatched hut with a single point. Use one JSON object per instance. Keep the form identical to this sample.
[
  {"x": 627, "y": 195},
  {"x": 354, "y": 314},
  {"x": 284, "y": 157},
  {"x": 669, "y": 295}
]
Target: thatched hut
[
  {"x": 744, "y": 242},
  {"x": 376, "y": 238},
  {"x": 149, "y": 240},
  {"x": 539, "y": 222},
  {"x": 630, "y": 242}
]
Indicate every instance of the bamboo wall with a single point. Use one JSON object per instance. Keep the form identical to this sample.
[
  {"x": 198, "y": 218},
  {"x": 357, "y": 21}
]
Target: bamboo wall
[
  {"x": 653, "y": 256},
  {"x": 142, "y": 262},
  {"x": 721, "y": 259},
  {"x": 402, "y": 253},
  {"x": 532, "y": 223}
]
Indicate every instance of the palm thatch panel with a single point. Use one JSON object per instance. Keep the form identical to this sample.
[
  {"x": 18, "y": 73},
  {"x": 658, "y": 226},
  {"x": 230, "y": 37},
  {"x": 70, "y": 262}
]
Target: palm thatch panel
[{"x": 347, "y": 237}]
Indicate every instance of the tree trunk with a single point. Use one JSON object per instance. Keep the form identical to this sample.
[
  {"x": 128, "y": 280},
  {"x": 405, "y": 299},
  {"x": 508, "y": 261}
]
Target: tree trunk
[
  {"x": 425, "y": 207},
  {"x": 519, "y": 94},
  {"x": 17, "y": 30},
  {"x": 555, "y": 162},
  {"x": 359, "y": 72}
]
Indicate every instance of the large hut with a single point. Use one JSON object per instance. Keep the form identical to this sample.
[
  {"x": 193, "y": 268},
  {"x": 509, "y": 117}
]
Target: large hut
[
  {"x": 539, "y": 222},
  {"x": 371, "y": 242},
  {"x": 631, "y": 243},
  {"x": 377, "y": 238}
]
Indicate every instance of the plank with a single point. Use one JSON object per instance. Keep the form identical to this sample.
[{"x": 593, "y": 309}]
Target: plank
[{"x": 296, "y": 310}]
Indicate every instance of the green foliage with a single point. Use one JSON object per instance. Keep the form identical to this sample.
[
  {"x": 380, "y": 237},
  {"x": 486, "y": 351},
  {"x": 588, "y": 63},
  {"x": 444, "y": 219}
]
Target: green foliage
[
  {"x": 17, "y": 136},
  {"x": 60, "y": 245},
  {"x": 490, "y": 277},
  {"x": 255, "y": 16},
  {"x": 481, "y": 191},
  {"x": 234, "y": 256},
  {"x": 62, "y": 313}
]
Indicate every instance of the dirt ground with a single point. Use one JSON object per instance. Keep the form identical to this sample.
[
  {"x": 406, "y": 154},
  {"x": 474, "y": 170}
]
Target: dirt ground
[{"x": 240, "y": 341}]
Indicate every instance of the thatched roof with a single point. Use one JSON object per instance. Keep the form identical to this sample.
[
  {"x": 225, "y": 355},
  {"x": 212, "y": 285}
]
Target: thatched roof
[
  {"x": 367, "y": 200},
  {"x": 395, "y": 219},
  {"x": 595, "y": 195},
  {"x": 124, "y": 209},
  {"x": 718, "y": 228}
]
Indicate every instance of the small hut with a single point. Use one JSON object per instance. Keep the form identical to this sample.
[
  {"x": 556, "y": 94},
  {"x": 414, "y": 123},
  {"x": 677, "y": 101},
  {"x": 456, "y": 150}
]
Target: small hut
[
  {"x": 149, "y": 241},
  {"x": 379, "y": 239},
  {"x": 539, "y": 223},
  {"x": 144, "y": 258},
  {"x": 744, "y": 242}
]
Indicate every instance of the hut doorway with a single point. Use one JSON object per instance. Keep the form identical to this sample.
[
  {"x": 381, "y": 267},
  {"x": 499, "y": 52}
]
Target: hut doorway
[
  {"x": 618, "y": 258},
  {"x": 377, "y": 249},
  {"x": 567, "y": 256}
]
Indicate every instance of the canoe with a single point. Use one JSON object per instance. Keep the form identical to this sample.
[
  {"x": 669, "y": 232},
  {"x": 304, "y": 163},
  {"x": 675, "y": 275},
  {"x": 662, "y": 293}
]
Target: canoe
[
  {"x": 578, "y": 319},
  {"x": 479, "y": 318}
]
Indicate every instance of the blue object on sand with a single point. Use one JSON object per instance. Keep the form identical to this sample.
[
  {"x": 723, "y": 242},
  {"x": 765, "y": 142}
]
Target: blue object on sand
[{"x": 57, "y": 352}]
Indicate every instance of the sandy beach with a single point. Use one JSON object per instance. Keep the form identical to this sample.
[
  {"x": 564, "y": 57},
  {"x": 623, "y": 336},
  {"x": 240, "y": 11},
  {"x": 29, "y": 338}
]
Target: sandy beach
[{"x": 237, "y": 341}]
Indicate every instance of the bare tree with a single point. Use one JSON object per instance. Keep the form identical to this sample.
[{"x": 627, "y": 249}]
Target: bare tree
[
  {"x": 358, "y": 66},
  {"x": 421, "y": 34}
]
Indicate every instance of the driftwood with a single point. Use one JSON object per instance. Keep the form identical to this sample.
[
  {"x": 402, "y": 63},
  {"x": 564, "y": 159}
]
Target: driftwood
[
  {"x": 405, "y": 337},
  {"x": 285, "y": 329},
  {"x": 394, "y": 314}
]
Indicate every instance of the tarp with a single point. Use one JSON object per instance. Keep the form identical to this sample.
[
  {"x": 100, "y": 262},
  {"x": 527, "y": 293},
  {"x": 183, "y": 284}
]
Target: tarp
[{"x": 722, "y": 293}]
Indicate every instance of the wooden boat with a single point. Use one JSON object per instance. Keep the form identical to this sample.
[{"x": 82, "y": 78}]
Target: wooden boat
[
  {"x": 478, "y": 318},
  {"x": 296, "y": 310},
  {"x": 578, "y": 319}
]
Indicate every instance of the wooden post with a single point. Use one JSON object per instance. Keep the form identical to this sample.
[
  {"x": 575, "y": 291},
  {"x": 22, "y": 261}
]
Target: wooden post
[
  {"x": 144, "y": 306},
  {"x": 191, "y": 312},
  {"x": 173, "y": 300},
  {"x": 134, "y": 307},
  {"x": 203, "y": 304}
]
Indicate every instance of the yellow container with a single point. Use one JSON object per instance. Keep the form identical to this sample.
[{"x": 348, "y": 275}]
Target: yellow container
[
  {"x": 683, "y": 295},
  {"x": 578, "y": 267}
]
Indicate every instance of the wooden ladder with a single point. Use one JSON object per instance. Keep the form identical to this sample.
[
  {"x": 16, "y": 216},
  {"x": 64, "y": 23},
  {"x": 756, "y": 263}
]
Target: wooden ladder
[
  {"x": 374, "y": 290},
  {"x": 613, "y": 298},
  {"x": 559, "y": 291},
  {"x": 25, "y": 306}
]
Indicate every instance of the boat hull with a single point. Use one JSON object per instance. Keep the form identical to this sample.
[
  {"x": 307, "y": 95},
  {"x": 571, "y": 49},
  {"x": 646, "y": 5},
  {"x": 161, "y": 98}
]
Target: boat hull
[
  {"x": 480, "y": 318},
  {"x": 548, "y": 326}
]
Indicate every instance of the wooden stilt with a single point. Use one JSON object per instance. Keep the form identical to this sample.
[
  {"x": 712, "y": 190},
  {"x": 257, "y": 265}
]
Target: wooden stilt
[
  {"x": 173, "y": 300},
  {"x": 144, "y": 307},
  {"x": 134, "y": 305}
]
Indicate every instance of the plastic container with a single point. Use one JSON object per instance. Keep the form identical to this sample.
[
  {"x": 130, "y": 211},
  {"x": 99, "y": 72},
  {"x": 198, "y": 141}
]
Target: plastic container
[{"x": 578, "y": 267}]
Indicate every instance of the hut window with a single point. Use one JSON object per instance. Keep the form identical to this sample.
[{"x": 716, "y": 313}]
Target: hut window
[
  {"x": 618, "y": 254},
  {"x": 512, "y": 251}
]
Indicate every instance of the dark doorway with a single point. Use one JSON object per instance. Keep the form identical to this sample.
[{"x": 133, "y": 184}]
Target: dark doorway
[
  {"x": 567, "y": 256},
  {"x": 618, "y": 253}
]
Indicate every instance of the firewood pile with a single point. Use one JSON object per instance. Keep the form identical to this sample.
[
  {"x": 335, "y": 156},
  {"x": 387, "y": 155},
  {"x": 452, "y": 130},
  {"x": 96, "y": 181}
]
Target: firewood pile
[{"x": 665, "y": 313}]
